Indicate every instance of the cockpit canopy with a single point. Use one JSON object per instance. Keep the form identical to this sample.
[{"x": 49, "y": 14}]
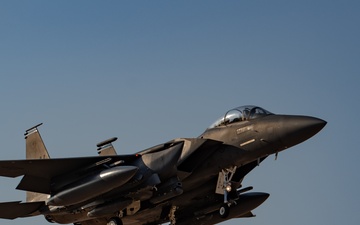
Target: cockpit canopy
[{"x": 241, "y": 113}]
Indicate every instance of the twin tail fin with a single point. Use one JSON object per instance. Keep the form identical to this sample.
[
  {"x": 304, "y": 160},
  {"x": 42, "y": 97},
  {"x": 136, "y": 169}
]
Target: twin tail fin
[{"x": 35, "y": 149}]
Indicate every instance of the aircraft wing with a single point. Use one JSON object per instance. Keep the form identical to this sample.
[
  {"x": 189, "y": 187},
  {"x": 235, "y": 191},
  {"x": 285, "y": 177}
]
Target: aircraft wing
[
  {"x": 39, "y": 172},
  {"x": 13, "y": 210}
]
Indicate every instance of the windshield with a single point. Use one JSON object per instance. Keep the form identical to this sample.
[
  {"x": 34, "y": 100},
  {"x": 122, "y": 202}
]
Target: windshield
[{"x": 241, "y": 113}]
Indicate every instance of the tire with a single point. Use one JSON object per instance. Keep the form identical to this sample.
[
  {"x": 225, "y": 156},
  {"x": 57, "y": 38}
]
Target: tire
[
  {"x": 114, "y": 221},
  {"x": 224, "y": 211}
]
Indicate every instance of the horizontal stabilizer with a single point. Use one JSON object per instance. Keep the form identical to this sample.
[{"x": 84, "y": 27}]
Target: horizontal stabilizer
[{"x": 13, "y": 210}]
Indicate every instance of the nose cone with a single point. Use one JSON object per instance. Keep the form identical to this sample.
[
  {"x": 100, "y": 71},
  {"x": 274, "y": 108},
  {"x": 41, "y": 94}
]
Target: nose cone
[{"x": 296, "y": 129}]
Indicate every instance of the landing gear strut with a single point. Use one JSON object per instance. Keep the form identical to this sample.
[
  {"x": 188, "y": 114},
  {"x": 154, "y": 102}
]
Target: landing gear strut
[
  {"x": 224, "y": 187},
  {"x": 172, "y": 215}
]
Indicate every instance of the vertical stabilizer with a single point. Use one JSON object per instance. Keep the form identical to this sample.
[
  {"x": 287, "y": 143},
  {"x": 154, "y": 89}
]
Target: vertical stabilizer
[
  {"x": 35, "y": 149},
  {"x": 105, "y": 148}
]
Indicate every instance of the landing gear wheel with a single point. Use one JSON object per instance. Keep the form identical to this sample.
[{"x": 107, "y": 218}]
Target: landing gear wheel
[
  {"x": 115, "y": 221},
  {"x": 224, "y": 211}
]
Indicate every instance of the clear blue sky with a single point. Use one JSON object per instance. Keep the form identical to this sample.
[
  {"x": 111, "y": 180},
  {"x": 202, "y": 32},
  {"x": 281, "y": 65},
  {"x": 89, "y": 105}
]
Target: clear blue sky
[{"x": 151, "y": 71}]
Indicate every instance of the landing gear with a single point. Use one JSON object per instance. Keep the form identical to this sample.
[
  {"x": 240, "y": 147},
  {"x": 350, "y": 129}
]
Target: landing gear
[
  {"x": 224, "y": 210},
  {"x": 224, "y": 187},
  {"x": 115, "y": 221},
  {"x": 172, "y": 215}
]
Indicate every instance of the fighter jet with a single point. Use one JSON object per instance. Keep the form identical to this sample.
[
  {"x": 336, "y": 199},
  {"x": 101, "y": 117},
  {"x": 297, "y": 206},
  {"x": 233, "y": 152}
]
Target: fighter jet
[{"x": 183, "y": 181}]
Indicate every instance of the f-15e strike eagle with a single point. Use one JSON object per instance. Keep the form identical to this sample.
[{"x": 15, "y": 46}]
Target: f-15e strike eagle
[{"x": 183, "y": 181}]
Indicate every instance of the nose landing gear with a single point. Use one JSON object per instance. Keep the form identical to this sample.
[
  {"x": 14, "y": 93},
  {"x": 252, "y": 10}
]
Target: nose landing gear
[
  {"x": 224, "y": 187},
  {"x": 224, "y": 210}
]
